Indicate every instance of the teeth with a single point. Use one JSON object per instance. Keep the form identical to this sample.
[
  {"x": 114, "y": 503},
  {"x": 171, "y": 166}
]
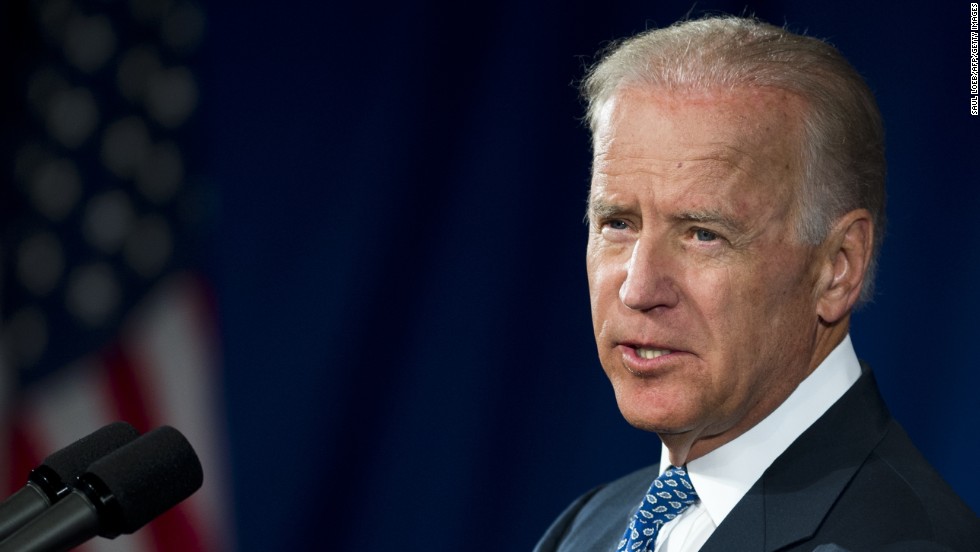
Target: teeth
[{"x": 651, "y": 353}]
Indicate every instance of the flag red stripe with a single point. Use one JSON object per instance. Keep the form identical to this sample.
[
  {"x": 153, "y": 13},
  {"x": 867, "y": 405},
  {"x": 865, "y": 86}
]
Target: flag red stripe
[
  {"x": 173, "y": 530},
  {"x": 128, "y": 396},
  {"x": 24, "y": 456}
]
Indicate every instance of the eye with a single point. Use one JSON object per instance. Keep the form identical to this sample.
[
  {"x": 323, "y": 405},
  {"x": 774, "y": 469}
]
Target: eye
[
  {"x": 705, "y": 235},
  {"x": 616, "y": 230}
]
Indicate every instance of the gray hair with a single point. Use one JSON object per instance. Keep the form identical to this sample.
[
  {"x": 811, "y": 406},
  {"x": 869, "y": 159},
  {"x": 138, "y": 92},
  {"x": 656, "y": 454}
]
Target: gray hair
[{"x": 843, "y": 153}]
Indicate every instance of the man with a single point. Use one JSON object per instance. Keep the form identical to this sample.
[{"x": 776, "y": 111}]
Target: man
[{"x": 735, "y": 213}]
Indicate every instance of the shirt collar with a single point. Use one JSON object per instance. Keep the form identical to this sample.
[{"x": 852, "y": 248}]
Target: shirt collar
[{"x": 723, "y": 476}]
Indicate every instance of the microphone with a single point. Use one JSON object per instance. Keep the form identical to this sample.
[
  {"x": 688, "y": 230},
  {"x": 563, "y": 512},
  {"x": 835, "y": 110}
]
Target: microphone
[
  {"x": 118, "y": 494},
  {"x": 48, "y": 483}
]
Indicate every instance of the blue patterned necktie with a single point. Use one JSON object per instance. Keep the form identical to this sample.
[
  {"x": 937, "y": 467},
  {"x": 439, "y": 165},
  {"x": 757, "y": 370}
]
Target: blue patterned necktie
[{"x": 669, "y": 495}]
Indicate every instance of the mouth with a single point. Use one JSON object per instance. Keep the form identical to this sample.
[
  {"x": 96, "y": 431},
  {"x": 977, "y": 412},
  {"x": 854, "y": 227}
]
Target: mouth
[
  {"x": 650, "y": 353},
  {"x": 647, "y": 359}
]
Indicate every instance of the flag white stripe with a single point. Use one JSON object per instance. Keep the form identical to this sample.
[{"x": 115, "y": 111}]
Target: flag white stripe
[
  {"x": 68, "y": 406},
  {"x": 177, "y": 356}
]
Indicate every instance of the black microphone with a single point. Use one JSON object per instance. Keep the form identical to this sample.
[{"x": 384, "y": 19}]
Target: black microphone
[
  {"x": 118, "y": 494},
  {"x": 48, "y": 483}
]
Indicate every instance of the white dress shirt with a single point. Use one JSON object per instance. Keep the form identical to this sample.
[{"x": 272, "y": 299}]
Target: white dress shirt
[{"x": 723, "y": 476}]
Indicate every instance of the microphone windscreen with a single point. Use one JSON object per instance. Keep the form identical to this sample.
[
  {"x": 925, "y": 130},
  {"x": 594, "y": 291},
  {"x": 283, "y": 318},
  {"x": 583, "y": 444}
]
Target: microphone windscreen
[
  {"x": 73, "y": 460},
  {"x": 149, "y": 476}
]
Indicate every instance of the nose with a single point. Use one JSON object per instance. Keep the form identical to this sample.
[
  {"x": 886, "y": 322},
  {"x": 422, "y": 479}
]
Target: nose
[{"x": 650, "y": 278}]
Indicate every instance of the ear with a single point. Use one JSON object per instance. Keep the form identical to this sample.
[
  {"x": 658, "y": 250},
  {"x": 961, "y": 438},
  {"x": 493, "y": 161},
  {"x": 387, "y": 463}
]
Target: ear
[{"x": 847, "y": 254}]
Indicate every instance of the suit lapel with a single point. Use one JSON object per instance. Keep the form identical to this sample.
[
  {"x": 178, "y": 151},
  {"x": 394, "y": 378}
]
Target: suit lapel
[
  {"x": 744, "y": 528},
  {"x": 794, "y": 495}
]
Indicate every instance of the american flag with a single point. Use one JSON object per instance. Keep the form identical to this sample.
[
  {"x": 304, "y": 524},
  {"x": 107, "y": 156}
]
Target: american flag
[{"x": 105, "y": 314}]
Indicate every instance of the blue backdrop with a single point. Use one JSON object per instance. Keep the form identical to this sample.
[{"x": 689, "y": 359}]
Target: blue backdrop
[{"x": 399, "y": 259}]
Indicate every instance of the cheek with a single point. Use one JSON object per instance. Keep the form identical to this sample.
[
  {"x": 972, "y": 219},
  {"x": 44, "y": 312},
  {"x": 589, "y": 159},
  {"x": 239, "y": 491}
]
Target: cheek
[
  {"x": 591, "y": 266},
  {"x": 773, "y": 305},
  {"x": 717, "y": 295},
  {"x": 604, "y": 280},
  {"x": 743, "y": 306},
  {"x": 594, "y": 280}
]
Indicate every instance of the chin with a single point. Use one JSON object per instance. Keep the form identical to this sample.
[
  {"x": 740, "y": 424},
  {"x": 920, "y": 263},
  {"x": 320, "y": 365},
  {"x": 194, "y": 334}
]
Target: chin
[
  {"x": 661, "y": 405},
  {"x": 660, "y": 419}
]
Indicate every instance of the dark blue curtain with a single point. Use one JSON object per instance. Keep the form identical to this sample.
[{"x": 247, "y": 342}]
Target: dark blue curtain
[{"x": 400, "y": 273}]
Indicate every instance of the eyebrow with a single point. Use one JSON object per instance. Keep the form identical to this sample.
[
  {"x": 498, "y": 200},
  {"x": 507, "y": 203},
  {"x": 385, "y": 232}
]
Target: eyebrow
[
  {"x": 599, "y": 209},
  {"x": 710, "y": 216}
]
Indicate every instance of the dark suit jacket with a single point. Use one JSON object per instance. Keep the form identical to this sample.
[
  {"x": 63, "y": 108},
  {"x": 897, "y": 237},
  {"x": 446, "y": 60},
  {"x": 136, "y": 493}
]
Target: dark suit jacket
[{"x": 853, "y": 481}]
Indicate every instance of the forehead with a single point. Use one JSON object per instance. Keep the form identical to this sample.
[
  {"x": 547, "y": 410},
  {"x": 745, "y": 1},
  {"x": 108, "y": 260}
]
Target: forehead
[
  {"x": 744, "y": 115},
  {"x": 745, "y": 134}
]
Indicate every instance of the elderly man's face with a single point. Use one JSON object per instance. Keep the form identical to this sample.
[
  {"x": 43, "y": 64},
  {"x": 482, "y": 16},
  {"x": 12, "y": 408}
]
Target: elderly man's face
[{"x": 703, "y": 297}]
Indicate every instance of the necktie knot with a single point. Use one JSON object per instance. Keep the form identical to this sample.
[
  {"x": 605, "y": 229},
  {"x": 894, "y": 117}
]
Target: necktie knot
[{"x": 669, "y": 495}]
